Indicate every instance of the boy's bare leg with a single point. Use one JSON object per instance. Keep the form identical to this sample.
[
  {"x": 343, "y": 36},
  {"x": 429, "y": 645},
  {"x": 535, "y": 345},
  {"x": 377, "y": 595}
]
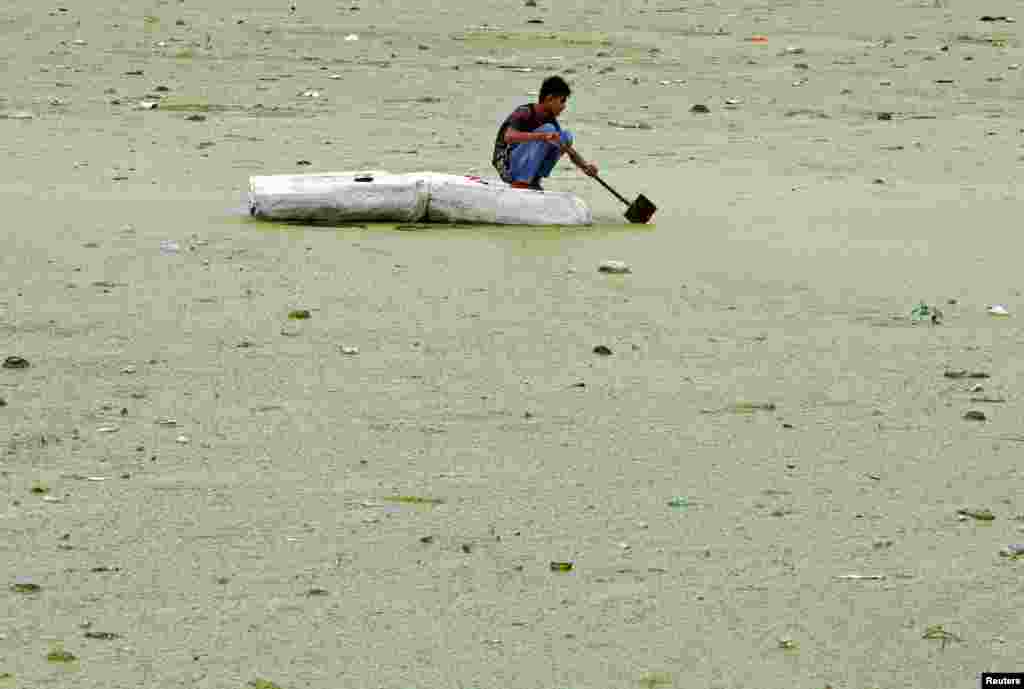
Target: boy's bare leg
[{"x": 520, "y": 185}]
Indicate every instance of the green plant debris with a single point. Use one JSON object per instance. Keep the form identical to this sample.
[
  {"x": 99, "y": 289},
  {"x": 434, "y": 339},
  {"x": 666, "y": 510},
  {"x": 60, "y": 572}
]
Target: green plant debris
[
  {"x": 655, "y": 680},
  {"x": 995, "y": 40},
  {"x": 788, "y": 644},
  {"x": 26, "y": 587},
  {"x": 299, "y": 314},
  {"x": 679, "y": 501},
  {"x": 982, "y": 515},
  {"x": 39, "y": 488},
  {"x": 194, "y": 105},
  {"x": 59, "y": 655},
  {"x": 184, "y": 54},
  {"x": 414, "y": 500},
  {"x": 935, "y": 632},
  {"x": 262, "y": 684},
  {"x": 561, "y": 566},
  {"x": 742, "y": 408}
]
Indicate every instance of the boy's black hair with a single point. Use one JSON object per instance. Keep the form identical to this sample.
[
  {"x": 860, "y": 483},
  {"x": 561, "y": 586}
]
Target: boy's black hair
[{"x": 554, "y": 86}]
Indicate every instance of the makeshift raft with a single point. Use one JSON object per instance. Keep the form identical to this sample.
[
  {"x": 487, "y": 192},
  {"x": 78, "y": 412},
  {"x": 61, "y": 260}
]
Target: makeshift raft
[{"x": 377, "y": 196}]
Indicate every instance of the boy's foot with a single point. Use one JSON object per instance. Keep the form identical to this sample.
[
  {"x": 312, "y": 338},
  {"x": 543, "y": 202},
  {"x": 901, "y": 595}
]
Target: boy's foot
[{"x": 536, "y": 186}]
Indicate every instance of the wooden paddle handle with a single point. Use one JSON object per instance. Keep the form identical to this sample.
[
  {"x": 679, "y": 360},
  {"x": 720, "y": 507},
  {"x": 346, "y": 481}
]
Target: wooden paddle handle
[
  {"x": 620, "y": 197},
  {"x": 617, "y": 194}
]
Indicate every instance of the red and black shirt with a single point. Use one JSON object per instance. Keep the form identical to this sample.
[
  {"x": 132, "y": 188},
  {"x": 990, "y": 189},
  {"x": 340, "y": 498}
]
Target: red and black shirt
[{"x": 525, "y": 118}]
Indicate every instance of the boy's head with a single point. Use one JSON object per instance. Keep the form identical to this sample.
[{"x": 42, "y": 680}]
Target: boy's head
[{"x": 554, "y": 91}]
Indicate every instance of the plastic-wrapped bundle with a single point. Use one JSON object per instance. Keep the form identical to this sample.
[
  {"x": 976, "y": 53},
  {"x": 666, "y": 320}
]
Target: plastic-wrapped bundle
[
  {"x": 335, "y": 197},
  {"x": 466, "y": 199},
  {"x": 338, "y": 197}
]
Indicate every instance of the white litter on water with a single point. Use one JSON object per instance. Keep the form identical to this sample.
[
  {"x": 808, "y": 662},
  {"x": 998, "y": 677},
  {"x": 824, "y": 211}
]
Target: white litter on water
[
  {"x": 998, "y": 310},
  {"x": 352, "y": 37}
]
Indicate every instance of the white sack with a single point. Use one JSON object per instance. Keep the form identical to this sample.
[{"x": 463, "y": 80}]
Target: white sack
[
  {"x": 337, "y": 197},
  {"x": 462, "y": 199}
]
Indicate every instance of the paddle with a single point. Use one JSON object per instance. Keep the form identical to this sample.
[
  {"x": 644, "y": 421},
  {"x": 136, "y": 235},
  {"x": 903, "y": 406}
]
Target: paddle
[{"x": 640, "y": 211}]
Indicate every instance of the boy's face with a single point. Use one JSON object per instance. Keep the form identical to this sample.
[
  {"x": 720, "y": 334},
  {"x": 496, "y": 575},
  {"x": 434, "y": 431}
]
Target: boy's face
[{"x": 554, "y": 104}]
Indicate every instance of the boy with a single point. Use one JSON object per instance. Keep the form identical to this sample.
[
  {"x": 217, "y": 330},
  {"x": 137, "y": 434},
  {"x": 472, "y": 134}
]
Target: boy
[{"x": 530, "y": 141}]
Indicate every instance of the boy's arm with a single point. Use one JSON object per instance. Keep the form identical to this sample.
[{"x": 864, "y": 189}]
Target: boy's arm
[
  {"x": 514, "y": 136},
  {"x": 578, "y": 161}
]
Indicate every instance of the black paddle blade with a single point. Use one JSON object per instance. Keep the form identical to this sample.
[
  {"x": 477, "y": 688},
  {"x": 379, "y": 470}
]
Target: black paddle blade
[{"x": 641, "y": 210}]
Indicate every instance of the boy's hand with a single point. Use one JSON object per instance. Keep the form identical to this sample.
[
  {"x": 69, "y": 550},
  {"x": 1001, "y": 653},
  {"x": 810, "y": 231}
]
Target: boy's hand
[{"x": 552, "y": 138}]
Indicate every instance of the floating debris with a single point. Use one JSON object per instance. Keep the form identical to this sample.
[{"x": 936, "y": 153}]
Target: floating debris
[
  {"x": 629, "y": 125},
  {"x": 700, "y": 109},
  {"x": 102, "y": 636},
  {"x": 975, "y": 415},
  {"x": 262, "y": 684},
  {"x": 984, "y": 514},
  {"x": 26, "y": 586},
  {"x": 16, "y": 362},
  {"x": 860, "y": 577},
  {"x": 299, "y": 314},
  {"x": 936, "y": 632},
  {"x": 349, "y": 351},
  {"x": 924, "y": 312},
  {"x": 974, "y": 375},
  {"x": 742, "y": 408},
  {"x": 602, "y": 350},
  {"x": 655, "y": 680},
  {"x": 561, "y": 566},
  {"x": 1014, "y": 550},
  {"x": 59, "y": 655},
  {"x": 788, "y": 644},
  {"x": 998, "y": 310},
  {"x": 414, "y": 500},
  {"x": 614, "y": 267},
  {"x": 679, "y": 501}
]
